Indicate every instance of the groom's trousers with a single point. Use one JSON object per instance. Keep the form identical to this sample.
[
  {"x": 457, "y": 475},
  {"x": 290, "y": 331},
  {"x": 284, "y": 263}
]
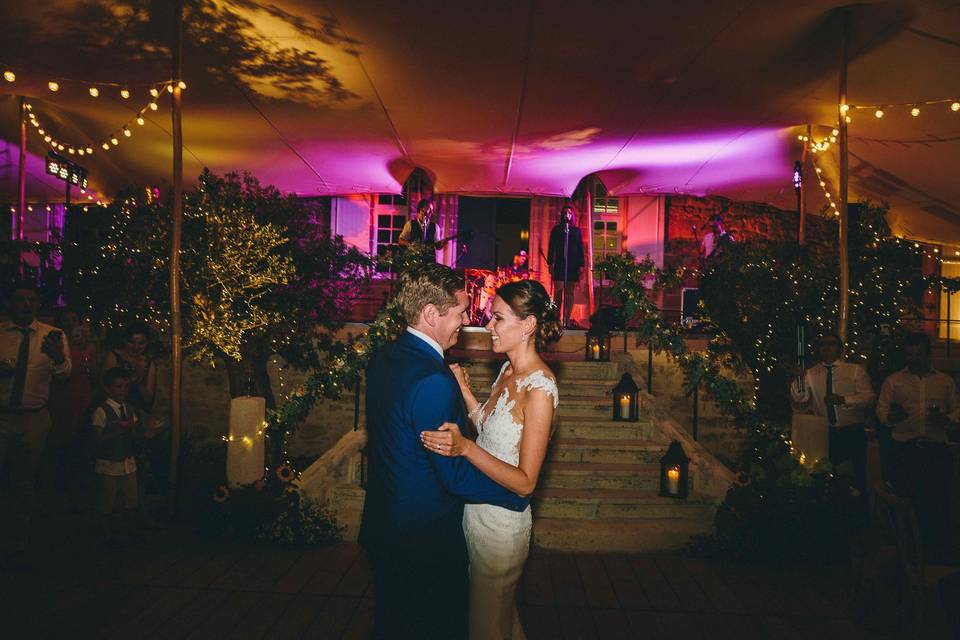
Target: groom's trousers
[{"x": 421, "y": 592}]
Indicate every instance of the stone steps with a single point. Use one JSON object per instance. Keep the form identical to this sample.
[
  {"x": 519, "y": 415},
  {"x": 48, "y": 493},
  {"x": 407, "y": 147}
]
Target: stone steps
[
  {"x": 600, "y": 504},
  {"x": 587, "y": 475},
  {"x": 570, "y": 427},
  {"x": 600, "y": 450}
]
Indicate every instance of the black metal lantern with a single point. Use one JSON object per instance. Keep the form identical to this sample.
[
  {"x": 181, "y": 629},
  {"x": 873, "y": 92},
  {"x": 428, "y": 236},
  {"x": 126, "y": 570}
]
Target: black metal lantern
[
  {"x": 674, "y": 477},
  {"x": 597, "y": 347},
  {"x": 626, "y": 400}
]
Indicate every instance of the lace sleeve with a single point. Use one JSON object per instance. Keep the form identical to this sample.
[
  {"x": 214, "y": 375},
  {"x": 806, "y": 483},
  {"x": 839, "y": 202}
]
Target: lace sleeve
[
  {"x": 499, "y": 375},
  {"x": 539, "y": 380}
]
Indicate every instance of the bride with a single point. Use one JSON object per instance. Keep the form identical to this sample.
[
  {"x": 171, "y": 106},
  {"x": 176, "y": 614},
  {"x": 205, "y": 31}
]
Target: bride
[{"x": 514, "y": 430}]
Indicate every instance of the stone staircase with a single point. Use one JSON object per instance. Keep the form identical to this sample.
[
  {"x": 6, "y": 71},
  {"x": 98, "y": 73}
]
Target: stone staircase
[{"x": 599, "y": 489}]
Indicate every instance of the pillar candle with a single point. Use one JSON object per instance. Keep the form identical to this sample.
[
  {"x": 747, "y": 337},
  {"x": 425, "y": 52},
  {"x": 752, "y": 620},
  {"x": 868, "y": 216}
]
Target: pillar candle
[
  {"x": 673, "y": 481},
  {"x": 245, "y": 441},
  {"x": 625, "y": 407}
]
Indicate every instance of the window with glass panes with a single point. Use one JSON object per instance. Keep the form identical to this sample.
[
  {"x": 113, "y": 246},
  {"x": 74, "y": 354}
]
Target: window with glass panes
[
  {"x": 391, "y": 215},
  {"x": 606, "y": 223}
]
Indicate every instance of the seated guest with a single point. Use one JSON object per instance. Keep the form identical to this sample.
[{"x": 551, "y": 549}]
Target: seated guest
[
  {"x": 841, "y": 392},
  {"x": 917, "y": 403}
]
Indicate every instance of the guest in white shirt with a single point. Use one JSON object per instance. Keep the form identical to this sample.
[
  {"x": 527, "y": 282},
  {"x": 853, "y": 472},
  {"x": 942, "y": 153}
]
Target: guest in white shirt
[
  {"x": 917, "y": 403},
  {"x": 31, "y": 355},
  {"x": 840, "y": 392}
]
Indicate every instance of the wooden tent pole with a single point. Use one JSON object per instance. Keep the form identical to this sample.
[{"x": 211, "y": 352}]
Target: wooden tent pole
[
  {"x": 843, "y": 249},
  {"x": 176, "y": 355},
  {"x": 20, "y": 218}
]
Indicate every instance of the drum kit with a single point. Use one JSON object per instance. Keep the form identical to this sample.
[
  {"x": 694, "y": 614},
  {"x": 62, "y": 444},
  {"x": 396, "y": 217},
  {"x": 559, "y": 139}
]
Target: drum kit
[{"x": 482, "y": 285}]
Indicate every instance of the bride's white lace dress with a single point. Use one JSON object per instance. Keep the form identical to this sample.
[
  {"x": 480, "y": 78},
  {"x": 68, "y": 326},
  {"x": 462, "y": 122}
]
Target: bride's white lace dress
[{"x": 498, "y": 539}]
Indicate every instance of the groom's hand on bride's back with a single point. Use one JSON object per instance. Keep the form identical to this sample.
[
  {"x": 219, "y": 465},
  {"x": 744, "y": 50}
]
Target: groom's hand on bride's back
[{"x": 446, "y": 440}]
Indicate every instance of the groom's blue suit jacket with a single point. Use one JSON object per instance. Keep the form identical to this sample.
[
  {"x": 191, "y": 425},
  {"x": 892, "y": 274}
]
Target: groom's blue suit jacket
[{"x": 414, "y": 496}]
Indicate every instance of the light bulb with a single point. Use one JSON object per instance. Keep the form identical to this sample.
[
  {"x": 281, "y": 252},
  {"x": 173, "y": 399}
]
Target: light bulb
[
  {"x": 114, "y": 141},
  {"x": 60, "y": 147},
  {"x": 955, "y": 106},
  {"x": 71, "y": 151},
  {"x": 848, "y": 119},
  {"x": 94, "y": 92},
  {"x": 835, "y": 132},
  {"x": 154, "y": 92},
  {"x": 140, "y": 120},
  {"x": 915, "y": 111},
  {"x": 9, "y": 76},
  {"x": 833, "y": 139},
  {"x": 153, "y": 106},
  {"x": 127, "y": 132},
  {"x": 124, "y": 93},
  {"x": 53, "y": 86},
  {"x": 169, "y": 88},
  {"x": 878, "y": 113},
  {"x": 41, "y": 132},
  {"x": 47, "y": 138},
  {"x": 89, "y": 150},
  {"x": 82, "y": 152},
  {"x": 182, "y": 85},
  {"x": 844, "y": 108},
  {"x": 106, "y": 147}
]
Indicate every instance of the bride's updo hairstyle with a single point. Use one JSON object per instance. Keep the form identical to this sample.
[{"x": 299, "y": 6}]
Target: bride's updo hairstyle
[{"x": 529, "y": 298}]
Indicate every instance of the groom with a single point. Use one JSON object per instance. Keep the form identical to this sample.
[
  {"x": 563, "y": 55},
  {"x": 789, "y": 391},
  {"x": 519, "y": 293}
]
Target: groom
[{"x": 411, "y": 525}]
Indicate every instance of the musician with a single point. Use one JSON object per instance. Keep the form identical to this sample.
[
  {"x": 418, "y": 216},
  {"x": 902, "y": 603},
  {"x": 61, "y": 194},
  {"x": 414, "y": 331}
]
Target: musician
[
  {"x": 565, "y": 257},
  {"x": 421, "y": 229},
  {"x": 715, "y": 237},
  {"x": 520, "y": 267}
]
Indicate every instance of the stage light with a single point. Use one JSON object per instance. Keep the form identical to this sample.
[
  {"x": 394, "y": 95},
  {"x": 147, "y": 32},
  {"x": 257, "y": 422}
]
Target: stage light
[
  {"x": 53, "y": 86},
  {"x": 94, "y": 92},
  {"x": 9, "y": 76},
  {"x": 915, "y": 111},
  {"x": 124, "y": 93}
]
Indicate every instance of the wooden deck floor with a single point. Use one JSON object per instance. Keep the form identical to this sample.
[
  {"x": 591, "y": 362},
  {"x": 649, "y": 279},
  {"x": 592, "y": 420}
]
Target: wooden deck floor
[{"x": 181, "y": 586}]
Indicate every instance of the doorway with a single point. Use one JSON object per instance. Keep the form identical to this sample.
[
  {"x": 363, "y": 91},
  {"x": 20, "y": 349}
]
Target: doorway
[{"x": 498, "y": 228}]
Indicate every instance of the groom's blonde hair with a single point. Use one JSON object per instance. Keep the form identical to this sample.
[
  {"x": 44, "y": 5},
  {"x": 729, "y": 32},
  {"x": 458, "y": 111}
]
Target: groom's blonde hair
[{"x": 434, "y": 284}]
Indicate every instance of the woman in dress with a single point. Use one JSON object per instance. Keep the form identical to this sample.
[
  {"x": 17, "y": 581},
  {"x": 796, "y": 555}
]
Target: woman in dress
[
  {"x": 514, "y": 430},
  {"x": 133, "y": 359}
]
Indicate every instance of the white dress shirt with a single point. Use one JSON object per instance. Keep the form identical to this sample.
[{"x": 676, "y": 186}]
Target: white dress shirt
[
  {"x": 40, "y": 368},
  {"x": 849, "y": 380},
  {"x": 430, "y": 341},
  {"x": 916, "y": 394}
]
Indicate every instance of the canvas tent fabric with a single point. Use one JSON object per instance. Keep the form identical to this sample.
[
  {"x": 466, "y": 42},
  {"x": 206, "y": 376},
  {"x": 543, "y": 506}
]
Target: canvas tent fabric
[{"x": 500, "y": 97}]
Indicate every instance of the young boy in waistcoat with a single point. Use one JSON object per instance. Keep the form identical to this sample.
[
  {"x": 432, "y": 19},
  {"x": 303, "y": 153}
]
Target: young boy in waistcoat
[{"x": 114, "y": 422}]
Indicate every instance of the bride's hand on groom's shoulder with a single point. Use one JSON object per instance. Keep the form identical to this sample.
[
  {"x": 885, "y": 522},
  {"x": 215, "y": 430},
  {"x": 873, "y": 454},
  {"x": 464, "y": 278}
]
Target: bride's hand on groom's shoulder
[
  {"x": 462, "y": 376},
  {"x": 446, "y": 440}
]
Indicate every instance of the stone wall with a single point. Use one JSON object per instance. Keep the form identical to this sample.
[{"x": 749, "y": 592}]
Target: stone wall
[{"x": 745, "y": 220}]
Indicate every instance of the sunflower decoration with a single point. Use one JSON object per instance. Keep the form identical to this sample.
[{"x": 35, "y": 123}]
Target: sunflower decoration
[
  {"x": 285, "y": 473},
  {"x": 221, "y": 494}
]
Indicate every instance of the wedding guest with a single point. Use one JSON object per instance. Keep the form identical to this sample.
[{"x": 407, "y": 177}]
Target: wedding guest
[
  {"x": 133, "y": 358},
  {"x": 31, "y": 355},
  {"x": 70, "y": 402},
  {"x": 917, "y": 403},
  {"x": 840, "y": 392},
  {"x": 114, "y": 421}
]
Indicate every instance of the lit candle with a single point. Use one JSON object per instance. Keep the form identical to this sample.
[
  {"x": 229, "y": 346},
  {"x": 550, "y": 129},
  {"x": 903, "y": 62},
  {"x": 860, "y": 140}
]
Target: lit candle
[
  {"x": 673, "y": 481},
  {"x": 596, "y": 351},
  {"x": 625, "y": 407}
]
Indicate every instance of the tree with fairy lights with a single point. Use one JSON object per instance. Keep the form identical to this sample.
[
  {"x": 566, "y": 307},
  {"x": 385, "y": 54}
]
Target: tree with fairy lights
[
  {"x": 757, "y": 292},
  {"x": 260, "y": 275}
]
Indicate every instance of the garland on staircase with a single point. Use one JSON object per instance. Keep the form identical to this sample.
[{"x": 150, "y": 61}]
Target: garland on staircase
[
  {"x": 633, "y": 280},
  {"x": 346, "y": 361}
]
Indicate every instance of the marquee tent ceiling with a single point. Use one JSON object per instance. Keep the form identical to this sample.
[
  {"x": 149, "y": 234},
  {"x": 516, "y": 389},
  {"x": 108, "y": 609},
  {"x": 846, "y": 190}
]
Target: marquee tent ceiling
[{"x": 500, "y": 96}]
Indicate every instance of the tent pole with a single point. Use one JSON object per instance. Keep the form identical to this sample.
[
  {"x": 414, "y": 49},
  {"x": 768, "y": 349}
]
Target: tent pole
[
  {"x": 20, "y": 218},
  {"x": 175, "y": 235},
  {"x": 591, "y": 308},
  {"x": 843, "y": 315},
  {"x": 802, "y": 194}
]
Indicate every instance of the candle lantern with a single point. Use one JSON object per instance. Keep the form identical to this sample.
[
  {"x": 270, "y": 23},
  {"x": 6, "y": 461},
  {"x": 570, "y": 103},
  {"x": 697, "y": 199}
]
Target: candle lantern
[
  {"x": 674, "y": 478},
  {"x": 597, "y": 347},
  {"x": 626, "y": 400},
  {"x": 245, "y": 441}
]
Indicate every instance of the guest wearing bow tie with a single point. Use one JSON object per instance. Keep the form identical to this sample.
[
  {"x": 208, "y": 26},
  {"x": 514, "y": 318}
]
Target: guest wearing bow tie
[{"x": 840, "y": 392}]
